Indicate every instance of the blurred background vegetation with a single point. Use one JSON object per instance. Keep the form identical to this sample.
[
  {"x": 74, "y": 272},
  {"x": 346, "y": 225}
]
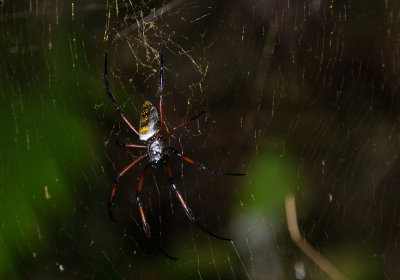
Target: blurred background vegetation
[{"x": 300, "y": 95}]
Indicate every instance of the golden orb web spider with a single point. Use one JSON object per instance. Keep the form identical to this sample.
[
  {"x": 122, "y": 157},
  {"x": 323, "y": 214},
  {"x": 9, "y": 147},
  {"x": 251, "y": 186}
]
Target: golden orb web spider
[{"x": 158, "y": 151}]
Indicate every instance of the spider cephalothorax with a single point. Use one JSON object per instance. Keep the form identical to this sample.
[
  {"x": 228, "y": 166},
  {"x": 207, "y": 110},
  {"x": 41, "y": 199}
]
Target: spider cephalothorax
[
  {"x": 157, "y": 151},
  {"x": 151, "y": 134}
]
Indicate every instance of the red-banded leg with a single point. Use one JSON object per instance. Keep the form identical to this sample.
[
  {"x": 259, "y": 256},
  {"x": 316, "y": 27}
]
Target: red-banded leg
[
  {"x": 182, "y": 124},
  {"x": 114, "y": 189}
]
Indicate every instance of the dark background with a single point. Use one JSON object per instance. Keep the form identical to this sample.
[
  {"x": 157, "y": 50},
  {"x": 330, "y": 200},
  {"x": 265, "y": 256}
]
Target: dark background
[{"x": 303, "y": 96}]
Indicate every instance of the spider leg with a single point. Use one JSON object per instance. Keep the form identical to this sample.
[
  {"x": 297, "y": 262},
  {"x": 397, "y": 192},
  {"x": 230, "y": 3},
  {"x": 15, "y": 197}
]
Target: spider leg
[
  {"x": 188, "y": 211},
  {"x": 182, "y": 124},
  {"x": 112, "y": 97},
  {"x": 203, "y": 167},
  {"x": 161, "y": 81},
  {"x": 162, "y": 251},
  {"x": 146, "y": 227},
  {"x": 114, "y": 189},
  {"x": 129, "y": 145}
]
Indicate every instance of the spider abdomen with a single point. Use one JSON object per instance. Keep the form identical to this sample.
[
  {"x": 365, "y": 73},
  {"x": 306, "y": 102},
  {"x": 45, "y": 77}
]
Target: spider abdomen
[{"x": 149, "y": 121}]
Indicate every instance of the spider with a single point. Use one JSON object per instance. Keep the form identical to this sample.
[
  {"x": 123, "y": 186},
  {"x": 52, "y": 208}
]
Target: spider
[{"x": 158, "y": 152}]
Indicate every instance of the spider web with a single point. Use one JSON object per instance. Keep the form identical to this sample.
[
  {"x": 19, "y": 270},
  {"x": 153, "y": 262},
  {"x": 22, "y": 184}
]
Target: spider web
[{"x": 299, "y": 95}]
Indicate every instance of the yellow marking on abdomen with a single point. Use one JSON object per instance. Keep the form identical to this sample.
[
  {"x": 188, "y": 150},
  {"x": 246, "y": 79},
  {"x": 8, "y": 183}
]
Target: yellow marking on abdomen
[
  {"x": 145, "y": 119},
  {"x": 145, "y": 110},
  {"x": 144, "y": 129}
]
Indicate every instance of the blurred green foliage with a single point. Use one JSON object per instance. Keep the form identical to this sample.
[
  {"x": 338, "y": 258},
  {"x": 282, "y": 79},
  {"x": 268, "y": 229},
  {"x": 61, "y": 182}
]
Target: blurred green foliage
[
  {"x": 45, "y": 145},
  {"x": 272, "y": 177}
]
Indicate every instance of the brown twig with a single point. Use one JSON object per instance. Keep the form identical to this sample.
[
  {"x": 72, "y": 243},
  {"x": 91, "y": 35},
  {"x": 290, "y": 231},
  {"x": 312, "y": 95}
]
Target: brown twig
[{"x": 314, "y": 255}]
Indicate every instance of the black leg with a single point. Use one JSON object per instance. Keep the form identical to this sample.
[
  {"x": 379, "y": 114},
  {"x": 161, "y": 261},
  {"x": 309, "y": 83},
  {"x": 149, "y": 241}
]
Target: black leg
[
  {"x": 112, "y": 97},
  {"x": 154, "y": 242},
  {"x": 203, "y": 167},
  {"x": 188, "y": 211},
  {"x": 114, "y": 189},
  {"x": 161, "y": 82}
]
